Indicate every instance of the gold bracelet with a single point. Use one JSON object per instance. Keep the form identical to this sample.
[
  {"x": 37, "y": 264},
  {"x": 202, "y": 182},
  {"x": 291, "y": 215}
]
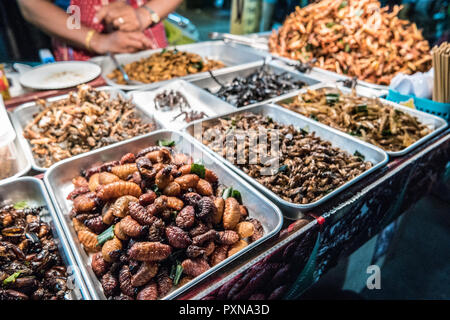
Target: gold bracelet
[{"x": 88, "y": 39}]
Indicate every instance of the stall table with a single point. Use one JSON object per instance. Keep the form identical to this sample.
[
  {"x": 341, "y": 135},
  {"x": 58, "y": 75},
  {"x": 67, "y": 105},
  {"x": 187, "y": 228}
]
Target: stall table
[{"x": 284, "y": 267}]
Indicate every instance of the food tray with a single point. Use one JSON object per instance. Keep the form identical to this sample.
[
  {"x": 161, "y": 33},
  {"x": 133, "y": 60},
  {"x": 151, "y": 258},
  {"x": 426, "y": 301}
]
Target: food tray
[
  {"x": 330, "y": 75},
  {"x": 231, "y": 55},
  {"x": 33, "y": 191},
  {"x": 198, "y": 99},
  {"x": 338, "y": 139},
  {"x": 58, "y": 181},
  {"x": 438, "y": 124},
  {"x": 226, "y": 76},
  {"x": 23, "y": 162},
  {"x": 23, "y": 114}
]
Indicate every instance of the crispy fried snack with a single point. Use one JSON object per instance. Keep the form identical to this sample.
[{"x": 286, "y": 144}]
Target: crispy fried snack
[
  {"x": 165, "y": 65},
  {"x": 355, "y": 38}
]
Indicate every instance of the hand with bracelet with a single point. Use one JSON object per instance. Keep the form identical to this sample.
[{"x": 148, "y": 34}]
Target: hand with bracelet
[{"x": 116, "y": 26}]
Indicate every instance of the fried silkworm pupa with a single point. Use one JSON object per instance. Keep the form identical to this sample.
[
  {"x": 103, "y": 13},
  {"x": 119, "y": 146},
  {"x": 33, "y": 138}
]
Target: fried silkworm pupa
[
  {"x": 163, "y": 177},
  {"x": 125, "y": 281},
  {"x": 107, "y": 178},
  {"x": 228, "y": 237},
  {"x": 187, "y": 181},
  {"x": 119, "y": 233},
  {"x": 202, "y": 238},
  {"x": 79, "y": 182},
  {"x": 219, "y": 254},
  {"x": 164, "y": 282},
  {"x": 158, "y": 206},
  {"x": 99, "y": 265},
  {"x": 219, "y": 202},
  {"x": 231, "y": 214},
  {"x": 120, "y": 207},
  {"x": 140, "y": 214},
  {"x": 109, "y": 284},
  {"x": 204, "y": 188},
  {"x": 111, "y": 249},
  {"x": 77, "y": 191},
  {"x": 94, "y": 182},
  {"x": 173, "y": 189},
  {"x": 186, "y": 217},
  {"x": 209, "y": 248},
  {"x": 145, "y": 273},
  {"x": 78, "y": 225},
  {"x": 258, "y": 230},
  {"x": 123, "y": 171},
  {"x": 118, "y": 189},
  {"x": 128, "y": 158},
  {"x": 194, "y": 251},
  {"x": 194, "y": 267},
  {"x": 177, "y": 237},
  {"x": 149, "y": 292},
  {"x": 175, "y": 203},
  {"x": 163, "y": 156},
  {"x": 245, "y": 229},
  {"x": 147, "y": 198},
  {"x": 149, "y": 251},
  {"x": 96, "y": 224},
  {"x": 130, "y": 227},
  {"x": 238, "y": 246},
  {"x": 89, "y": 240},
  {"x": 85, "y": 202}
]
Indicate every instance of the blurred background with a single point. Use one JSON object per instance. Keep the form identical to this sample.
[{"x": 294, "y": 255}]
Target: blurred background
[{"x": 194, "y": 19}]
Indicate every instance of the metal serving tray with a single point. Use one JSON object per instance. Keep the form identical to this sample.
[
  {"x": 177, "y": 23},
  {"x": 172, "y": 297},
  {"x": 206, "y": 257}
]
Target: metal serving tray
[
  {"x": 198, "y": 99},
  {"x": 58, "y": 181},
  {"x": 23, "y": 114},
  {"x": 33, "y": 191},
  {"x": 23, "y": 163},
  {"x": 338, "y": 139},
  {"x": 436, "y": 123},
  {"x": 226, "y": 76},
  {"x": 231, "y": 55}
]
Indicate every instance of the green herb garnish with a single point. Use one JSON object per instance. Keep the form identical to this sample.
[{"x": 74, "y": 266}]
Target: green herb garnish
[
  {"x": 347, "y": 47},
  {"x": 178, "y": 273},
  {"x": 12, "y": 278},
  {"x": 359, "y": 155},
  {"x": 156, "y": 190},
  {"x": 227, "y": 192},
  {"x": 20, "y": 205},
  {"x": 283, "y": 168},
  {"x": 198, "y": 169},
  {"x": 106, "y": 235},
  {"x": 314, "y": 117},
  {"x": 330, "y": 24},
  {"x": 166, "y": 143},
  {"x": 237, "y": 195}
]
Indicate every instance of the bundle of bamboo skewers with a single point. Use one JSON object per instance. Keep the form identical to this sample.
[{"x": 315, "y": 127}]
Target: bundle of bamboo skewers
[{"x": 441, "y": 65}]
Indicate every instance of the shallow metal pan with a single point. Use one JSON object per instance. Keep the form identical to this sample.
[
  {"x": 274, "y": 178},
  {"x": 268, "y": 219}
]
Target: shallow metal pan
[
  {"x": 23, "y": 163},
  {"x": 338, "y": 139},
  {"x": 226, "y": 76},
  {"x": 232, "y": 55},
  {"x": 436, "y": 123},
  {"x": 33, "y": 191},
  {"x": 23, "y": 115},
  {"x": 198, "y": 99},
  {"x": 58, "y": 181}
]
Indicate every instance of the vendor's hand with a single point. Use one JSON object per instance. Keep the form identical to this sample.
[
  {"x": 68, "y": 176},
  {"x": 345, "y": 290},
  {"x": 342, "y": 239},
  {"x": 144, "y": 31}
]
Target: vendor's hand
[
  {"x": 121, "y": 42},
  {"x": 122, "y": 16}
]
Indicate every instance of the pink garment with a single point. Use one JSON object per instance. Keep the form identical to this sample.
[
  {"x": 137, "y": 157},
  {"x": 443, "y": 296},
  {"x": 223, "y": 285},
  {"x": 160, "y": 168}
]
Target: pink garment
[{"x": 64, "y": 52}]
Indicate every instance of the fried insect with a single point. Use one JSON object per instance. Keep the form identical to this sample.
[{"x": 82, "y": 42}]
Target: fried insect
[
  {"x": 99, "y": 265},
  {"x": 125, "y": 170},
  {"x": 145, "y": 273},
  {"x": 173, "y": 189},
  {"x": 258, "y": 230},
  {"x": 231, "y": 213},
  {"x": 85, "y": 202},
  {"x": 107, "y": 178},
  {"x": 186, "y": 217},
  {"x": 187, "y": 181},
  {"x": 219, "y": 202},
  {"x": 89, "y": 240},
  {"x": 245, "y": 229},
  {"x": 125, "y": 281},
  {"x": 109, "y": 284},
  {"x": 120, "y": 207},
  {"x": 238, "y": 246},
  {"x": 149, "y": 292},
  {"x": 204, "y": 188},
  {"x": 149, "y": 251},
  {"x": 111, "y": 249},
  {"x": 177, "y": 237},
  {"x": 220, "y": 253},
  {"x": 140, "y": 214},
  {"x": 228, "y": 237},
  {"x": 164, "y": 282},
  {"x": 118, "y": 189},
  {"x": 175, "y": 203},
  {"x": 130, "y": 227},
  {"x": 195, "y": 267}
]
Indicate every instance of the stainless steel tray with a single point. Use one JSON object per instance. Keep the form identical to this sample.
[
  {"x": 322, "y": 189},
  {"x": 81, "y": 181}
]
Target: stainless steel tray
[
  {"x": 58, "y": 181},
  {"x": 199, "y": 100},
  {"x": 436, "y": 123},
  {"x": 226, "y": 76},
  {"x": 338, "y": 139},
  {"x": 23, "y": 114},
  {"x": 231, "y": 55},
  {"x": 33, "y": 191},
  {"x": 23, "y": 163}
]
